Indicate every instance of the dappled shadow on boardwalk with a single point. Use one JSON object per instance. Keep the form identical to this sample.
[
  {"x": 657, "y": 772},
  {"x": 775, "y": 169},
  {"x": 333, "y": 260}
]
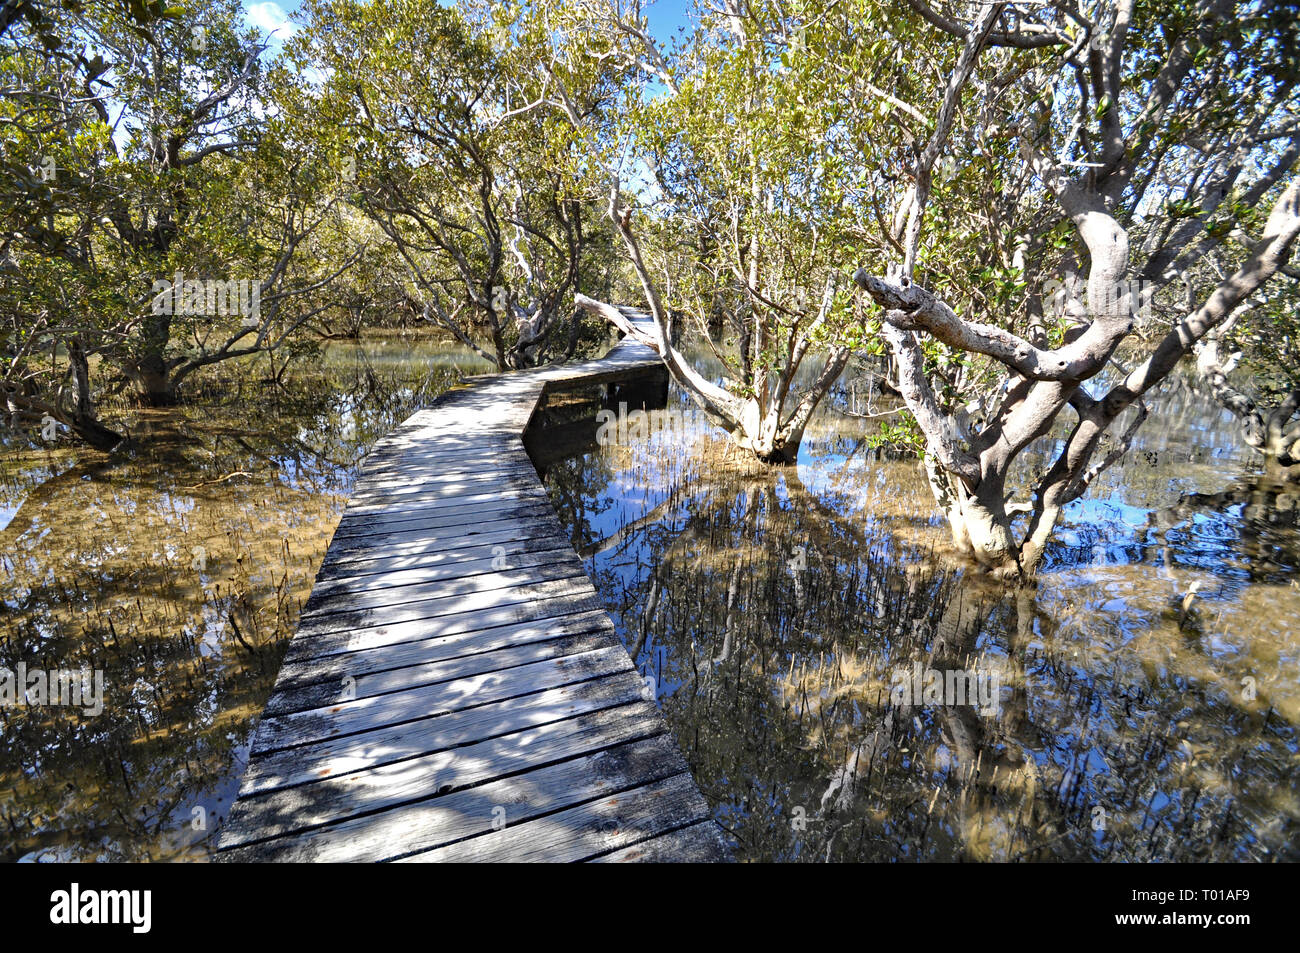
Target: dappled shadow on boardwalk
[{"x": 454, "y": 691}]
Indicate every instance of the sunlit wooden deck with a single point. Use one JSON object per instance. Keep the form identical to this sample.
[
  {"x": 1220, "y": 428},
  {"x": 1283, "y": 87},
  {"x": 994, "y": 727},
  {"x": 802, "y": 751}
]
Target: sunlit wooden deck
[{"x": 455, "y": 690}]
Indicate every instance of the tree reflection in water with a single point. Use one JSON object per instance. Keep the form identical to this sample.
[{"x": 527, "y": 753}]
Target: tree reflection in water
[
  {"x": 1134, "y": 723},
  {"x": 176, "y": 566}
]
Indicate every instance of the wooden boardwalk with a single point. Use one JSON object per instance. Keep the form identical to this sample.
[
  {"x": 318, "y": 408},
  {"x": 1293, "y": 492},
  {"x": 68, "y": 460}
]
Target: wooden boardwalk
[{"x": 455, "y": 691}]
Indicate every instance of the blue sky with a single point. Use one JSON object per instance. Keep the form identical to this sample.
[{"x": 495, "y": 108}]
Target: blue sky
[
  {"x": 666, "y": 16},
  {"x": 270, "y": 17}
]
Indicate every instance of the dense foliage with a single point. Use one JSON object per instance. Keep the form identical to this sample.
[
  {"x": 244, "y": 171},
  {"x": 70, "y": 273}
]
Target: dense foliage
[{"x": 1023, "y": 188}]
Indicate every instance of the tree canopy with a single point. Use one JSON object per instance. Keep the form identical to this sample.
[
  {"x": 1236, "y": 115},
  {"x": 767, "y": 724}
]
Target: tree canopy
[{"x": 1005, "y": 204}]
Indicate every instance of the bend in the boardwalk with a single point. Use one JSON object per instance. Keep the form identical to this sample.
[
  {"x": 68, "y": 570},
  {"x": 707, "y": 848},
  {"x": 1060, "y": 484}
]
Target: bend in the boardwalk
[{"x": 455, "y": 690}]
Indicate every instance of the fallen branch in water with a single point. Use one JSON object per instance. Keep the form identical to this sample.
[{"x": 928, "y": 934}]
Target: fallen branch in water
[
  {"x": 228, "y": 476},
  {"x": 883, "y": 413}
]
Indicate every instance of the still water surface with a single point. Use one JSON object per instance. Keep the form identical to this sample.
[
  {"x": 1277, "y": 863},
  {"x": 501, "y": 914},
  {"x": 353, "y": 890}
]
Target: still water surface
[
  {"x": 1132, "y": 722},
  {"x": 1126, "y": 725},
  {"x": 177, "y": 567}
]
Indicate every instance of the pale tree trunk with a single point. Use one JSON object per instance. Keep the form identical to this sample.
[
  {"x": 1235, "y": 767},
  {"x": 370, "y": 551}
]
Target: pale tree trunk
[
  {"x": 767, "y": 426},
  {"x": 1074, "y": 470},
  {"x": 969, "y": 472},
  {"x": 759, "y": 424},
  {"x": 764, "y": 424},
  {"x": 148, "y": 371},
  {"x": 977, "y": 519}
]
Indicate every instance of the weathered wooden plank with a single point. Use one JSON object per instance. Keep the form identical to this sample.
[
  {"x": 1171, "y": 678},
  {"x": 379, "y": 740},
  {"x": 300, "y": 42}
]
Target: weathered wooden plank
[
  {"x": 361, "y": 596},
  {"x": 421, "y": 464},
  {"x": 449, "y": 437},
  {"x": 699, "y": 843},
  {"x": 537, "y": 611},
  {"x": 271, "y": 770},
  {"x": 596, "y": 378},
  {"x": 443, "y": 432},
  {"x": 427, "y": 777},
  {"x": 398, "y": 524},
  {"x": 502, "y": 491},
  {"x": 320, "y": 668},
  {"x": 471, "y": 813},
  {"x": 358, "y": 538},
  {"x": 446, "y": 565},
  {"x": 363, "y": 714},
  {"x": 608, "y": 823},
  {"x": 499, "y": 485},
  {"x": 361, "y": 678},
  {"x": 447, "y": 426},
  {"x": 575, "y": 586},
  {"x": 347, "y": 554},
  {"x": 375, "y": 478}
]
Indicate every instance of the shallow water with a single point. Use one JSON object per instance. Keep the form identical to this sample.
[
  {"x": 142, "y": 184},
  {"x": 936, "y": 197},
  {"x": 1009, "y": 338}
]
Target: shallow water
[
  {"x": 789, "y": 619},
  {"x": 177, "y": 569},
  {"x": 774, "y": 608}
]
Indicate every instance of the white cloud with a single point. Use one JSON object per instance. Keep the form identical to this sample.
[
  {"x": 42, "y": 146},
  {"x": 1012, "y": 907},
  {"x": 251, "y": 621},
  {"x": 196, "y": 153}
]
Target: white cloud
[
  {"x": 270, "y": 18},
  {"x": 316, "y": 76}
]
